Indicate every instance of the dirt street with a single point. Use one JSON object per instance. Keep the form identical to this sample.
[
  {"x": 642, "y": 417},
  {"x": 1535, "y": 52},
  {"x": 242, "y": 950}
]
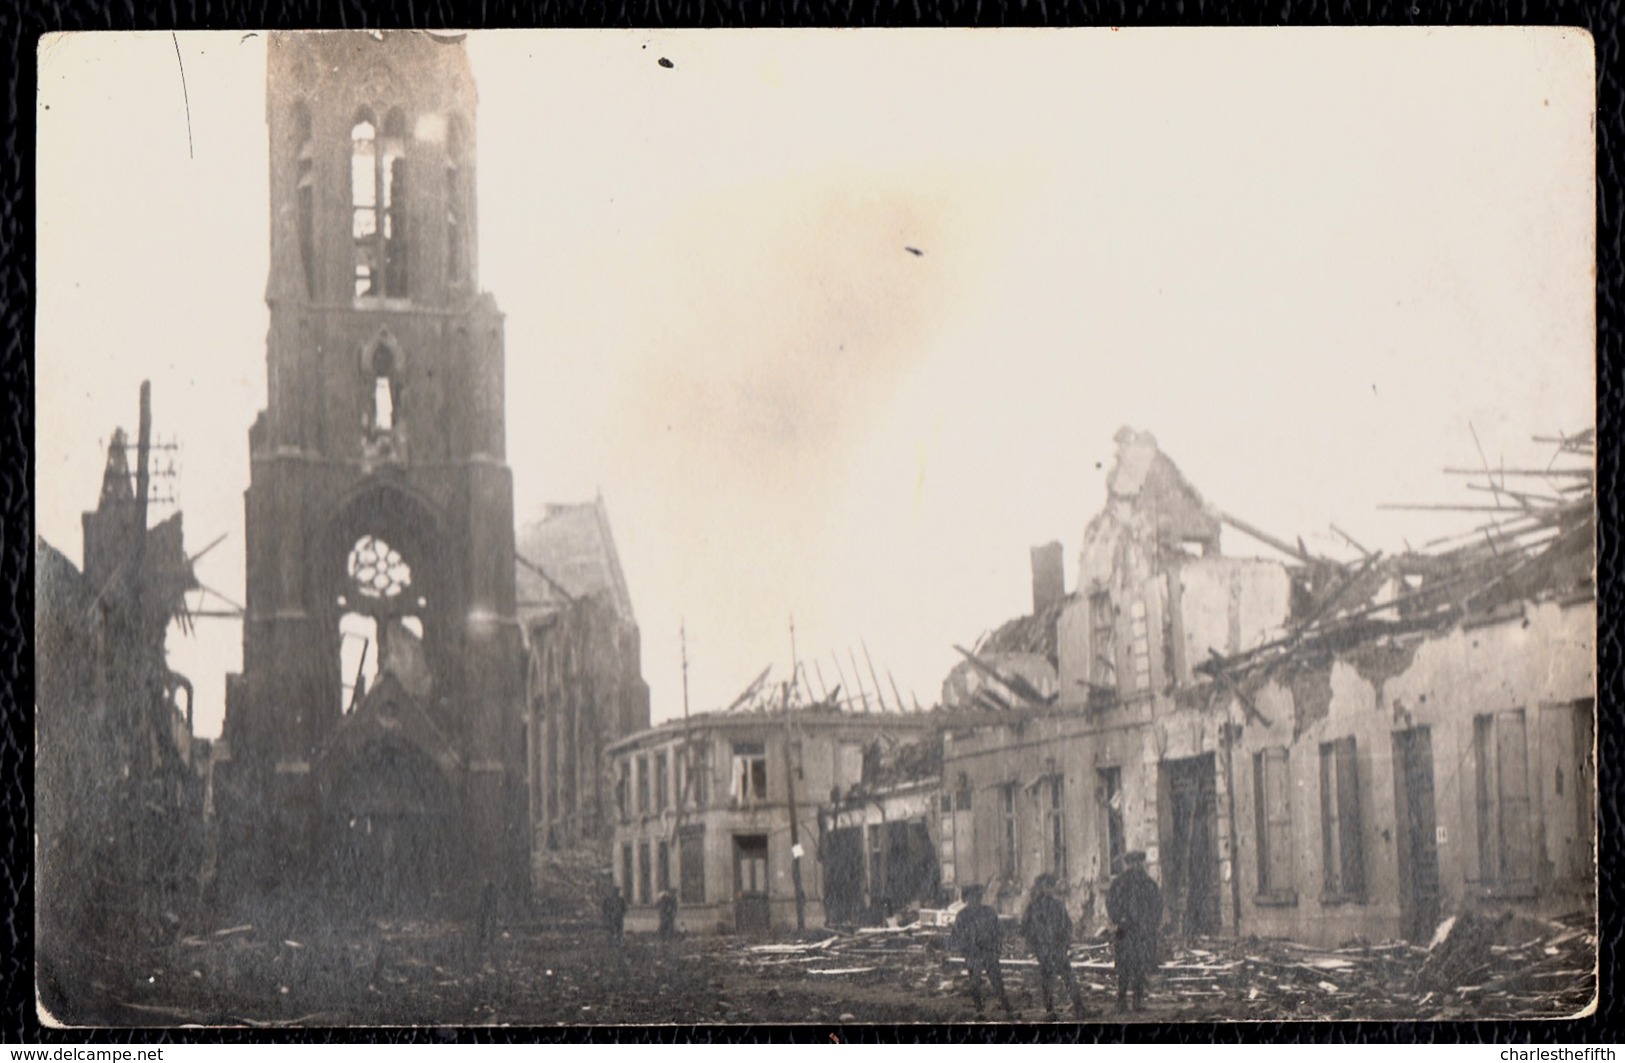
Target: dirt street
[{"x": 530, "y": 975}]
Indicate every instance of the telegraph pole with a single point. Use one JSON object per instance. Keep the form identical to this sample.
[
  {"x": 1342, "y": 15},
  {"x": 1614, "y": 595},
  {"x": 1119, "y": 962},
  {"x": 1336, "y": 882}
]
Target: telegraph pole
[
  {"x": 795, "y": 668},
  {"x": 143, "y": 485},
  {"x": 688, "y": 749},
  {"x": 795, "y": 829}
]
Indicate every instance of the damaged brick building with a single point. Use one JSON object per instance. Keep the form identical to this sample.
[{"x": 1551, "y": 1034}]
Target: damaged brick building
[
  {"x": 584, "y": 681},
  {"x": 376, "y": 731},
  {"x": 119, "y": 780},
  {"x": 1306, "y": 749},
  {"x": 716, "y": 807}
]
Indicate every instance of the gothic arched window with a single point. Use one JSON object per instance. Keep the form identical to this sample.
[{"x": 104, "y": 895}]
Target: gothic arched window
[
  {"x": 378, "y": 202},
  {"x": 377, "y": 571},
  {"x": 379, "y": 595},
  {"x": 364, "y": 203},
  {"x": 305, "y": 190},
  {"x": 383, "y": 390},
  {"x": 454, "y": 205},
  {"x": 392, "y": 197}
]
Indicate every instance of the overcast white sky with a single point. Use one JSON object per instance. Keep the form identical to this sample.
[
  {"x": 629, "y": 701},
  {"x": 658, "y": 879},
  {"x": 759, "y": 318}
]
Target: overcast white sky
[{"x": 1306, "y": 260}]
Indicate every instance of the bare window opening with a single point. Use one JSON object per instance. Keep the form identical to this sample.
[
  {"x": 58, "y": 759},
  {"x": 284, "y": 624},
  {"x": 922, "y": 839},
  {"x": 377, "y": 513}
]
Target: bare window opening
[
  {"x": 1342, "y": 845},
  {"x": 750, "y": 772},
  {"x": 700, "y": 766},
  {"x": 1111, "y": 800},
  {"x": 1140, "y": 645},
  {"x": 392, "y": 186},
  {"x": 1057, "y": 825},
  {"x": 381, "y": 414},
  {"x": 377, "y": 601},
  {"x": 454, "y": 227},
  {"x": 378, "y": 205},
  {"x": 383, "y": 405},
  {"x": 623, "y": 790},
  {"x": 643, "y": 873},
  {"x": 305, "y": 193},
  {"x": 364, "y": 204},
  {"x": 1010, "y": 856},
  {"x": 643, "y": 785},
  {"x": 691, "y": 863},
  {"x": 358, "y": 658},
  {"x": 662, "y": 783},
  {"x": 1102, "y": 642}
]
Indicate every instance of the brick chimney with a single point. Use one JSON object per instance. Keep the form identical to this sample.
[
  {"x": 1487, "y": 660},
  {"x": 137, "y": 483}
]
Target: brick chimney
[{"x": 1049, "y": 576}]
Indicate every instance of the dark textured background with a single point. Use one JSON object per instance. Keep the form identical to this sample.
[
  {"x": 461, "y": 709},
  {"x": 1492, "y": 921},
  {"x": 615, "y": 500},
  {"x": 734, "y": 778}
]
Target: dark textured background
[{"x": 22, "y": 22}]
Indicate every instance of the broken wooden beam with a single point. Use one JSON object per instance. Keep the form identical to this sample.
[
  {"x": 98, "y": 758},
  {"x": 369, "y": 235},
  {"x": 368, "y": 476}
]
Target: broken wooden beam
[
  {"x": 1246, "y": 703},
  {"x": 1267, "y": 539}
]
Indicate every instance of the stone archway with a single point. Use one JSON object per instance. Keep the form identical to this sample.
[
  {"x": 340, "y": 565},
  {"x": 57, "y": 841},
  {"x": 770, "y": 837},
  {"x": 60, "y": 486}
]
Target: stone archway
[
  {"x": 391, "y": 829},
  {"x": 379, "y": 560}
]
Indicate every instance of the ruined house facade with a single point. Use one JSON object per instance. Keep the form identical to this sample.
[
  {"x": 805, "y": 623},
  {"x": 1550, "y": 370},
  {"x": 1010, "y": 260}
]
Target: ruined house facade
[
  {"x": 120, "y": 829},
  {"x": 715, "y": 806},
  {"x": 584, "y": 680},
  {"x": 1308, "y": 750},
  {"x": 885, "y": 848},
  {"x": 376, "y": 730}
]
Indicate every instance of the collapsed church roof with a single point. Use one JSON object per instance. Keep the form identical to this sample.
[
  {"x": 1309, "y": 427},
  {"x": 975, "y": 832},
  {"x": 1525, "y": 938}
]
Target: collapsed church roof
[{"x": 567, "y": 555}]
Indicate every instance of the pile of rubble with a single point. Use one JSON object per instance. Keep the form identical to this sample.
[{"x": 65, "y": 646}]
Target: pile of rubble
[{"x": 1476, "y": 967}]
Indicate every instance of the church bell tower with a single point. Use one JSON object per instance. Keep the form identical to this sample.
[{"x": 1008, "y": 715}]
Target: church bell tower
[{"x": 375, "y": 731}]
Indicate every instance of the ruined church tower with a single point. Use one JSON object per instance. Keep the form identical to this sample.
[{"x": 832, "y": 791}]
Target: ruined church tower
[{"x": 375, "y": 733}]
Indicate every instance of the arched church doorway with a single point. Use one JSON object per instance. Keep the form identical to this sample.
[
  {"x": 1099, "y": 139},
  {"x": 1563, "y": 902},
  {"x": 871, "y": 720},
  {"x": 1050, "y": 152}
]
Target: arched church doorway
[{"x": 391, "y": 830}]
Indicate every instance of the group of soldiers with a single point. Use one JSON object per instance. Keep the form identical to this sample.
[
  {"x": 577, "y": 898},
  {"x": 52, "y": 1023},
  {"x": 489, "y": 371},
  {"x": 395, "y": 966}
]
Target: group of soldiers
[
  {"x": 613, "y": 911},
  {"x": 1134, "y": 904}
]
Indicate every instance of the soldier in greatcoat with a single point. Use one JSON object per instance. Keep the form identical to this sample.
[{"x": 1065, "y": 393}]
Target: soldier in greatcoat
[
  {"x": 614, "y": 913},
  {"x": 1048, "y": 930},
  {"x": 667, "y": 909},
  {"x": 1134, "y": 903},
  {"x": 979, "y": 938}
]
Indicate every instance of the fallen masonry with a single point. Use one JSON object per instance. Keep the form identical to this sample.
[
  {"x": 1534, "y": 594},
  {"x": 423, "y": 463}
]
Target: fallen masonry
[{"x": 535, "y": 974}]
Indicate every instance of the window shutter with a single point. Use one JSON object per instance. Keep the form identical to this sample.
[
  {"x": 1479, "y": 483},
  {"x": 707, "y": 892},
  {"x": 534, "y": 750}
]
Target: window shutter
[
  {"x": 1329, "y": 840},
  {"x": 1260, "y": 797},
  {"x": 1274, "y": 815},
  {"x": 1348, "y": 818},
  {"x": 1512, "y": 764}
]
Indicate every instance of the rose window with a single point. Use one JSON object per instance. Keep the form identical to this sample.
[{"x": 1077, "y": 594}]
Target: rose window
[{"x": 377, "y": 570}]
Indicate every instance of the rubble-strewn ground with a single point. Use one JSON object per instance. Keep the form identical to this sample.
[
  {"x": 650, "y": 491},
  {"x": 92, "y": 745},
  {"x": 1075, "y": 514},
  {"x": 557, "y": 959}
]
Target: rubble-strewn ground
[{"x": 531, "y": 975}]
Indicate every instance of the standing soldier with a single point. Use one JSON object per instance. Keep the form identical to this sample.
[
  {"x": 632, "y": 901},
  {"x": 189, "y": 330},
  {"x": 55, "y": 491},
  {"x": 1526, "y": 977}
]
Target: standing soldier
[
  {"x": 1048, "y": 930},
  {"x": 614, "y": 912},
  {"x": 1134, "y": 903},
  {"x": 485, "y": 922},
  {"x": 977, "y": 936},
  {"x": 667, "y": 907}
]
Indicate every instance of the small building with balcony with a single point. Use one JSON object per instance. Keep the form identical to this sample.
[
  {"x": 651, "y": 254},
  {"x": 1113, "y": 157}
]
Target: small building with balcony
[{"x": 723, "y": 807}]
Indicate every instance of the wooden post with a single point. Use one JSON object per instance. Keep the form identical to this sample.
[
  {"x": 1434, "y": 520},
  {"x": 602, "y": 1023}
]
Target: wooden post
[
  {"x": 870, "y": 661},
  {"x": 1230, "y": 797},
  {"x": 795, "y": 830},
  {"x": 864, "y": 694}
]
